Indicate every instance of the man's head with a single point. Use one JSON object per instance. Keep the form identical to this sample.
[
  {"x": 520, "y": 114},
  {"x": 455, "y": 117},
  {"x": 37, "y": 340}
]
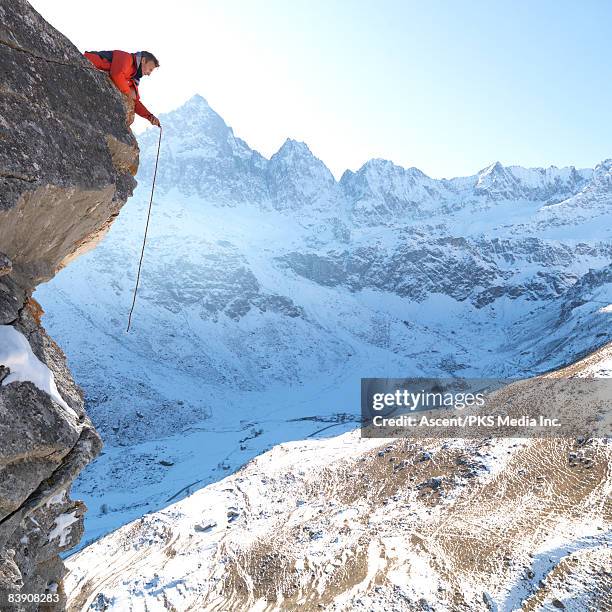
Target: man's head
[{"x": 148, "y": 62}]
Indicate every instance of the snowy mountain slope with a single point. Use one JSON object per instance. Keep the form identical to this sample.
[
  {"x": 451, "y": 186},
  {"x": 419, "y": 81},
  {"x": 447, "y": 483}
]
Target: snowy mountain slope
[
  {"x": 350, "y": 523},
  {"x": 269, "y": 290}
]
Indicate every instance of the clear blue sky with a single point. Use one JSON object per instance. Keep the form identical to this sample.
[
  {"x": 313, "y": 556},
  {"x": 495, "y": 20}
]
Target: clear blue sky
[{"x": 446, "y": 86}]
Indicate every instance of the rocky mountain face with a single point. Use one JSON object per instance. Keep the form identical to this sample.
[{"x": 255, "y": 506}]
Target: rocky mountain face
[
  {"x": 269, "y": 289},
  {"x": 67, "y": 163}
]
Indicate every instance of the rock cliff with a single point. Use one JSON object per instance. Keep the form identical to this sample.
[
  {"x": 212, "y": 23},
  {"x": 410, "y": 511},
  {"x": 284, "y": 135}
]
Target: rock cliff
[{"x": 67, "y": 165}]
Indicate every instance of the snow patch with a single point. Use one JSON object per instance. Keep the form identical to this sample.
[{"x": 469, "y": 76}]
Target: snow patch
[
  {"x": 58, "y": 498},
  {"x": 16, "y": 354},
  {"x": 62, "y": 527}
]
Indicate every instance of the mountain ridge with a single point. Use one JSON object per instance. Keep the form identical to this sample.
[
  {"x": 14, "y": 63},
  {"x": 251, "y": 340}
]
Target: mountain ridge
[
  {"x": 199, "y": 147},
  {"x": 199, "y": 102}
]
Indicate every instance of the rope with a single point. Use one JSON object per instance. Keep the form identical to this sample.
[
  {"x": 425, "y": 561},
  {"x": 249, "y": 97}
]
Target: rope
[{"x": 144, "y": 241}]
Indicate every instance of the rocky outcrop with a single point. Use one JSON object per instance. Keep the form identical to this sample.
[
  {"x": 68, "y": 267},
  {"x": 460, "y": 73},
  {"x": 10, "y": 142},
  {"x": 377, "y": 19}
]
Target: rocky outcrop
[
  {"x": 67, "y": 166},
  {"x": 480, "y": 270}
]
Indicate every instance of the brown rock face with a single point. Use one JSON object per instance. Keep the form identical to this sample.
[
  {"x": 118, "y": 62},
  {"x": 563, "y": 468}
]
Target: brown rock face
[{"x": 67, "y": 165}]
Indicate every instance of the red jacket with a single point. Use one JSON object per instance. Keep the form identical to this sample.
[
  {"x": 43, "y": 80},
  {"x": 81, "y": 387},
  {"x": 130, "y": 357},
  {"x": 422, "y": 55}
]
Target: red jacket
[{"x": 123, "y": 71}]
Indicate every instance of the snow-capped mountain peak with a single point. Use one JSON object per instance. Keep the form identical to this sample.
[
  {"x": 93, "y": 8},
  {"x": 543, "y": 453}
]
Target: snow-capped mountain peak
[
  {"x": 296, "y": 177},
  {"x": 548, "y": 185},
  {"x": 196, "y": 101},
  {"x": 292, "y": 148},
  {"x": 195, "y": 113},
  {"x": 201, "y": 155},
  {"x": 494, "y": 168},
  {"x": 495, "y": 181},
  {"x": 381, "y": 191},
  {"x": 603, "y": 171}
]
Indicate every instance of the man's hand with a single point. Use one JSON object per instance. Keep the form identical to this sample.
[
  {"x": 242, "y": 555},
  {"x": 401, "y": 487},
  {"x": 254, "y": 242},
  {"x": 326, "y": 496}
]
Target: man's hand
[{"x": 154, "y": 120}]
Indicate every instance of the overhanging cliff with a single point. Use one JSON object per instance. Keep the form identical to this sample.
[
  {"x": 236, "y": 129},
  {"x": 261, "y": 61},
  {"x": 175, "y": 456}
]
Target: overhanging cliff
[{"x": 67, "y": 165}]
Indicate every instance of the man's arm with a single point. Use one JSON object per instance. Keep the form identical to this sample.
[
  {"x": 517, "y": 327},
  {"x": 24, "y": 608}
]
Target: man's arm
[
  {"x": 141, "y": 110},
  {"x": 121, "y": 71}
]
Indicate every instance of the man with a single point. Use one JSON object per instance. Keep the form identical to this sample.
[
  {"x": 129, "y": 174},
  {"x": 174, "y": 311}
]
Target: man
[{"x": 125, "y": 70}]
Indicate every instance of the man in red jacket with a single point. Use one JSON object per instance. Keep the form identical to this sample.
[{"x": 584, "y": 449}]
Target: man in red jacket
[{"x": 125, "y": 70}]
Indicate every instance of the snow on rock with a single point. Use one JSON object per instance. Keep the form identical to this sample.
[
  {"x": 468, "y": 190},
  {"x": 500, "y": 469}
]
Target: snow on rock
[
  {"x": 17, "y": 355},
  {"x": 62, "y": 528},
  {"x": 58, "y": 498}
]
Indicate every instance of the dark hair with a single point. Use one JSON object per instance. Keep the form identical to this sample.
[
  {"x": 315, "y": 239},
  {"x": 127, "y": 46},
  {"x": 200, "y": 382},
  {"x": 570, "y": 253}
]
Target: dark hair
[{"x": 147, "y": 55}]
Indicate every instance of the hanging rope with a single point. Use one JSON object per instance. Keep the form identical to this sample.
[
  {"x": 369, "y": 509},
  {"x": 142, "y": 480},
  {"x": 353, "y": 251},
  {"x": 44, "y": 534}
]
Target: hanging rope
[{"x": 144, "y": 241}]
